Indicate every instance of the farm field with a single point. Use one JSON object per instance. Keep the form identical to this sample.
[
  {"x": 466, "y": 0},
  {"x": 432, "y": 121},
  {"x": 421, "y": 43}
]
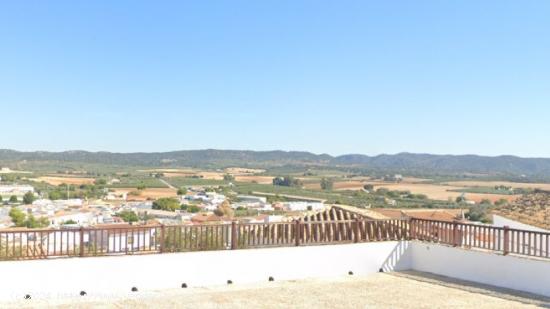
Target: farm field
[
  {"x": 178, "y": 174},
  {"x": 172, "y": 172},
  {"x": 349, "y": 185},
  {"x": 434, "y": 191},
  {"x": 243, "y": 171},
  {"x": 211, "y": 175},
  {"x": 255, "y": 179},
  {"x": 472, "y": 183},
  {"x": 57, "y": 180},
  {"x": 134, "y": 181},
  {"x": 149, "y": 193},
  {"x": 179, "y": 182},
  {"x": 357, "y": 183},
  {"x": 168, "y": 170},
  {"x": 415, "y": 180},
  {"x": 441, "y": 192},
  {"x": 312, "y": 185}
]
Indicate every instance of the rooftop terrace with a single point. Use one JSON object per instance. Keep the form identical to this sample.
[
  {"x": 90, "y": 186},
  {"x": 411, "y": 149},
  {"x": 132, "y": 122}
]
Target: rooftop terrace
[
  {"x": 206, "y": 259},
  {"x": 383, "y": 290}
]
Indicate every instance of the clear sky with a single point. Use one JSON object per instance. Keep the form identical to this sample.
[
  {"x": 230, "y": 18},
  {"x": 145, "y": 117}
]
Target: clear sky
[{"x": 331, "y": 77}]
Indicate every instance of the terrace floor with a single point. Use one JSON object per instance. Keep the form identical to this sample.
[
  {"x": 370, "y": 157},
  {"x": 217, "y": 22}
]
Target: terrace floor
[{"x": 383, "y": 290}]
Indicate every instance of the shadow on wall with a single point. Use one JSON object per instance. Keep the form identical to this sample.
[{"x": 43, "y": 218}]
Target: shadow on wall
[{"x": 399, "y": 259}]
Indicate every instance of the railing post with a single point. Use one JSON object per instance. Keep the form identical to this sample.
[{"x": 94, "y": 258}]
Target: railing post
[
  {"x": 356, "y": 230},
  {"x": 162, "y": 233},
  {"x": 298, "y": 232},
  {"x": 233, "y": 235},
  {"x": 506, "y": 247},
  {"x": 455, "y": 234},
  {"x": 412, "y": 229},
  {"x": 81, "y": 241}
]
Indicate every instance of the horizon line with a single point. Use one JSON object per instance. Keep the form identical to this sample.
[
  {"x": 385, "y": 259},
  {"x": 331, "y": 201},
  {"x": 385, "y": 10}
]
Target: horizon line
[{"x": 275, "y": 150}]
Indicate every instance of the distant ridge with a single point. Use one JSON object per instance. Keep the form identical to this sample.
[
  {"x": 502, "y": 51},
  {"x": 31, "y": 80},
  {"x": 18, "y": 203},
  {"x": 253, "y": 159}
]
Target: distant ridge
[{"x": 402, "y": 162}]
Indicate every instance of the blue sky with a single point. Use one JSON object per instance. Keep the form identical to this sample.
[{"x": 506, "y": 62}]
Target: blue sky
[{"x": 323, "y": 76}]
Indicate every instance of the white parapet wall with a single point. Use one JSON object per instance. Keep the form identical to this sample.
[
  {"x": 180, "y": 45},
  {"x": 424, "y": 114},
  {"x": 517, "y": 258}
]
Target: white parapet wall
[
  {"x": 116, "y": 275},
  {"x": 512, "y": 272},
  {"x": 111, "y": 276}
]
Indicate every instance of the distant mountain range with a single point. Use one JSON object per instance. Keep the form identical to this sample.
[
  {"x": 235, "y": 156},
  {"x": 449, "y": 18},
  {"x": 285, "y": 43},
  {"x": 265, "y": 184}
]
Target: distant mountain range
[{"x": 406, "y": 163}]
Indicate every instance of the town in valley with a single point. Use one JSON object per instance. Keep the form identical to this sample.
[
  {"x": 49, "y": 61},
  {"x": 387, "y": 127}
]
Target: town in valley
[{"x": 45, "y": 196}]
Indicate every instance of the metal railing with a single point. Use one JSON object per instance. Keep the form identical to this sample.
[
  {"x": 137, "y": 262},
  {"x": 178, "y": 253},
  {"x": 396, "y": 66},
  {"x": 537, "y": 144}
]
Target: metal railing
[{"x": 150, "y": 239}]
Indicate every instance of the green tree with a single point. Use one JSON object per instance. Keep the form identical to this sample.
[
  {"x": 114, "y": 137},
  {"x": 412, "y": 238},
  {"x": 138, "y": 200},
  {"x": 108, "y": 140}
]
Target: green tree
[
  {"x": 70, "y": 221},
  {"x": 141, "y": 187},
  {"x": 486, "y": 201},
  {"x": 393, "y": 194},
  {"x": 326, "y": 184},
  {"x": 55, "y": 195},
  {"x": 13, "y": 199},
  {"x": 128, "y": 216},
  {"x": 17, "y": 216},
  {"x": 193, "y": 209},
  {"x": 368, "y": 187},
  {"x": 34, "y": 223},
  {"x": 287, "y": 181},
  {"x": 100, "y": 182},
  {"x": 182, "y": 191},
  {"x": 1, "y": 199},
  {"x": 228, "y": 177},
  {"x": 20, "y": 219},
  {"x": 28, "y": 198},
  {"x": 421, "y": 196},
  {"x": 479, "y": 213},
  {"x": 167, "y": 203},
  {"x": 8, "y": 178}
]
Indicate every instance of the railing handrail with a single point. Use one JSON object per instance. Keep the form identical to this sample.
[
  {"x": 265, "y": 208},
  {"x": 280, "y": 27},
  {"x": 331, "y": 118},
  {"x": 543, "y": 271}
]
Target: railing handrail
[
  {"x": 131, "y": 227},
  {"x": 481, "y": 225},
  {"x": 498, "y": 239},
  {"x": 155, "y": 238}
]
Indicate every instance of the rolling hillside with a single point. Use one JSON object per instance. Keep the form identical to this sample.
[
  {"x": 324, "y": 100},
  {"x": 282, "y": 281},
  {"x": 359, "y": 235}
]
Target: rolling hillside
[{"x": 406, "y": 163}]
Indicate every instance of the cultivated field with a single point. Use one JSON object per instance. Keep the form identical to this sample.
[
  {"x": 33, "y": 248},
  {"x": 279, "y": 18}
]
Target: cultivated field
[
  {"x": 255, "y": 179},
  {"x": 56, "y": 180},
  {"x": 243, "y": 171},
  {"x": 172, "y": 172},
  {"x": 203, "y": 175},
  {"x": 517, "y": 185},
  {"x": 349, "y": 185},
  {"x": 312, "y": 185},
  {"x": 441, "y": 192},
  {"x": 149, "y": 193},
  {"x": 357, "y": 183},
  {"x": 179, "y": 174},
  {"x": 211, "y": 175}
]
